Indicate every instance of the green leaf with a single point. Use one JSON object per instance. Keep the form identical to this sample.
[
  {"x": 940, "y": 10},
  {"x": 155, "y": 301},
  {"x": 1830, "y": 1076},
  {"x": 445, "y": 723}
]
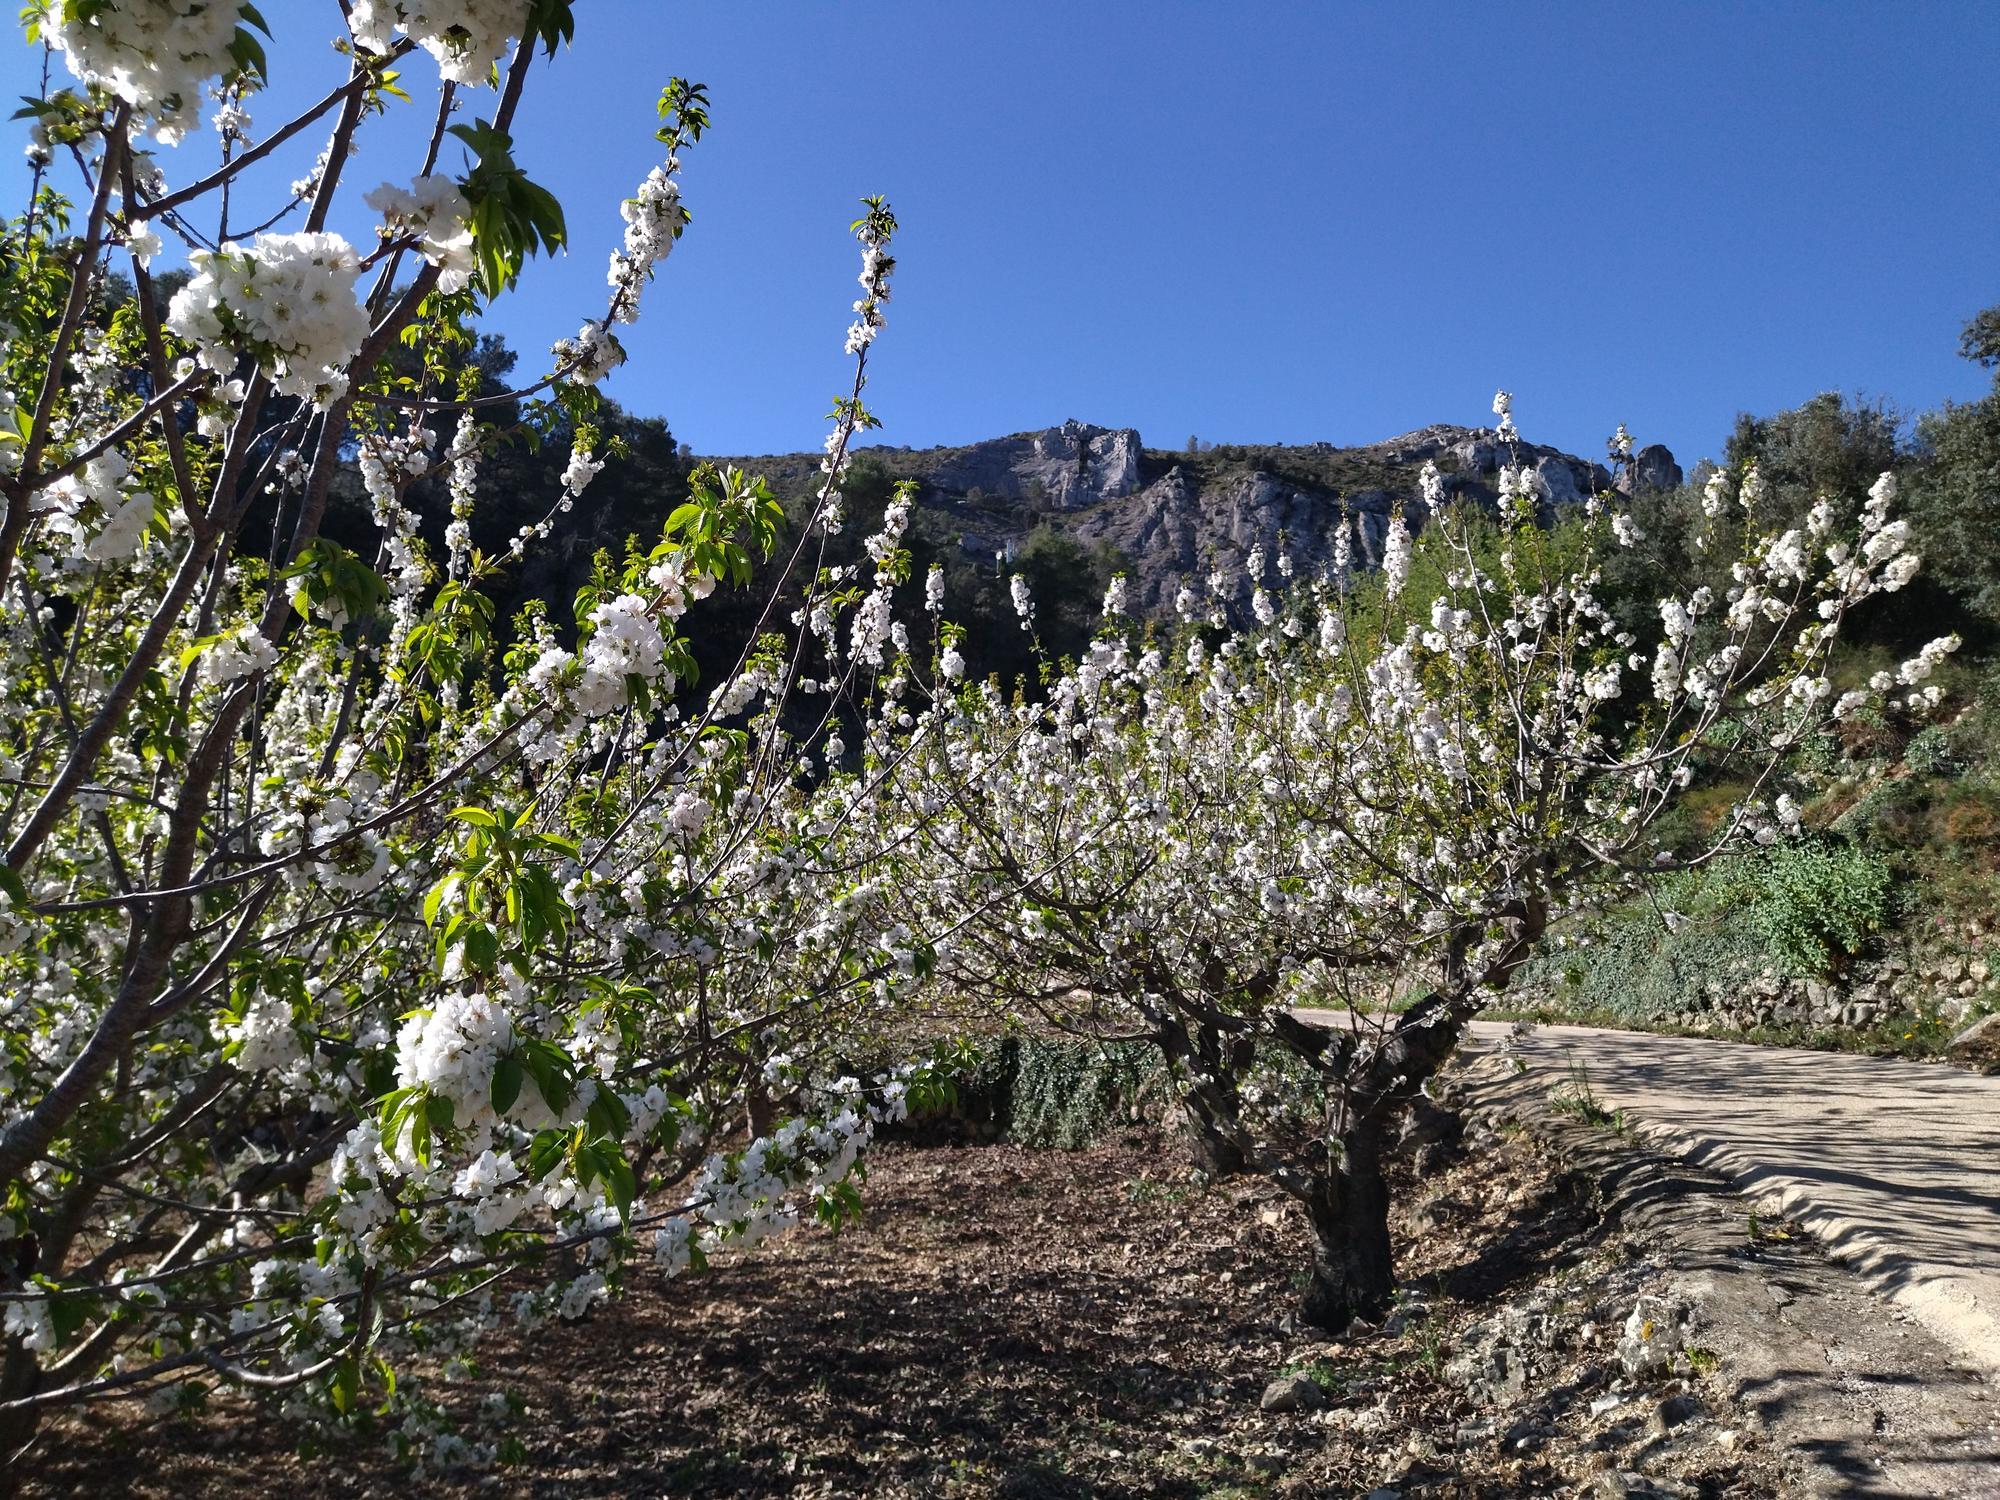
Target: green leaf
[
  {"x": 345, "y": 1386},
  {"x": 188, "y": 656},
  {"x": 439, "y": 894},
  {"x": 619, "y": 1179},
  {"x": 482, "y": 948},
  {"x": 545, "y": 1153},
  {"x": 68, "y": 1315},
  {"x": 508, "y": 1075},
  {"x": 609, "y": 1115}
]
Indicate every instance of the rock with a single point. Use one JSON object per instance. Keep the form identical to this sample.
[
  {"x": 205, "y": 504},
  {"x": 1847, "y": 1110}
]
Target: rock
[
  {"x": 1206, "y": 516},
  {"x": 1490, "y": 1364},
  {"x": 1674, "y": 1412},
  {"x": 1064, "y": 467},
  {"x": 1435, "y": 1214},
  {"x": 1652, "y": 1337},
  {"x": 1427, "y": 1123},
  {"x": 1629, "y": 1484},
  {"x": 1383, "y": 1492},
  {"x": 1979, "y": 1042},
  {"x": 1290, "y": 1393},
  {"x": 1557, "y": 482},
  {"x": 1652, "y": 468}
]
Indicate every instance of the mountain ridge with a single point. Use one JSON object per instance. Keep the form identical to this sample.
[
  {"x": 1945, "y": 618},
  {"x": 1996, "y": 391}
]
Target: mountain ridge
[{"x": 1178, "y": 515}]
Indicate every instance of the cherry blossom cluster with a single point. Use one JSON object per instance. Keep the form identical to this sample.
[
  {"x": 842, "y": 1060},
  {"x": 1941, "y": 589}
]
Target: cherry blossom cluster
[
  {"x": 287, "y": 301},
  {"x": 654, "y": 220},
  {"x": 155, "y": 57},
  {"x": 467, "y": 37},
  {"x": 95, "y": 515},
  {"x": 434, "y": 210}
]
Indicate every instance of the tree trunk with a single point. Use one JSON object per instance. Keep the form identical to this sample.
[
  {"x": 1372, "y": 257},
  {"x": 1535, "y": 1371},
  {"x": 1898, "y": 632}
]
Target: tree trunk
[
  {"x": 1214, "y": 1154},
  {"x": 1353, "y": 1274},
  {"x": 19, "y": 1377}
]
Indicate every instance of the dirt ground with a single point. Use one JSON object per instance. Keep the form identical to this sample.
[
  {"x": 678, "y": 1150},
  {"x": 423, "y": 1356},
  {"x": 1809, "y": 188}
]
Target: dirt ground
[{"x": 1038, "y": 1325}]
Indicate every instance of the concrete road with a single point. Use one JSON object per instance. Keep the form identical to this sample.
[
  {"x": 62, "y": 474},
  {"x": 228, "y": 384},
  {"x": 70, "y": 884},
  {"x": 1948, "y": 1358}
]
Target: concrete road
[{"x": 1893, "y": 1166}]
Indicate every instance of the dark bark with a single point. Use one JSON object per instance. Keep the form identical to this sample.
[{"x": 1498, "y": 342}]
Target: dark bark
[
  {"x": 1212, "y": 1062},
  {"x": 19, "y": 1376},
  {"x": 1353, "y": 1272},
  {"x": 1213, "y": 1153}
]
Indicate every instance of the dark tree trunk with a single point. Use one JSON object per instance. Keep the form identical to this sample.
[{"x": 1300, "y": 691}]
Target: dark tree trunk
[
  {"x": 1213, "y": 1153},
  {"x": 1210, "y": 1095},
  {"x": 19, "y": 1377},
  {"x": 1353, "y": 1274}
]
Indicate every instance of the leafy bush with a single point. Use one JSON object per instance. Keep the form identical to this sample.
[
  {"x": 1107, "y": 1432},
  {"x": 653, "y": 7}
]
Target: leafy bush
[
  {"x": 1635, "y": 967},
  {"x": 1046, "y": 1091},
  {"x": 1930, "y": 753},
  {"x": 1818, "y": 904},
  {"x": 1067, "y": 1094},
  {"x": 1807, "y": 906}
]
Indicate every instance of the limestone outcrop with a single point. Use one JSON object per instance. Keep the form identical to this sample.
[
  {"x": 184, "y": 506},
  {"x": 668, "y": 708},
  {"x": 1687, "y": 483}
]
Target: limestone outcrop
[{"x": 1061, "y": 469}]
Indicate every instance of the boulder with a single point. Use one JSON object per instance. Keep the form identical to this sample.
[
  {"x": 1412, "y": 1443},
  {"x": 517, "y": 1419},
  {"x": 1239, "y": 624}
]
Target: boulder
[
  {"x": 1673, "y": 1413},
  {"x": 1653, "y": 1336},
  {"x": 1979, "y": 1042},
  {"x": 1289, "y": 1393}
]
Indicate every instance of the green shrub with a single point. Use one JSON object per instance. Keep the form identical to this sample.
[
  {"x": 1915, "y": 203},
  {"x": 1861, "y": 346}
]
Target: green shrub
[
  {"x": 1806, "y": 906},
  {"x": 1068, "y": 1093},
  {"x": 1055, "y": 1091},
  {"x": 1930, "y": 753},
  {"x": 1632, "y": 966},
  {"x": 1818, "y": 904}
]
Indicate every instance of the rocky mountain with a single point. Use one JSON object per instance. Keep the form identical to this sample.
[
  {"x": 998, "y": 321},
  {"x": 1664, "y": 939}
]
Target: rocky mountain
[{"x": 1174, "y": 516}]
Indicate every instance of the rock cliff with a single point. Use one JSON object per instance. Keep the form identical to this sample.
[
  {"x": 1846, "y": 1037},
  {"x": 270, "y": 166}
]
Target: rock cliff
[
  {"x": 1064, "y": 468},
  {"x": 1176, "y": 516}
]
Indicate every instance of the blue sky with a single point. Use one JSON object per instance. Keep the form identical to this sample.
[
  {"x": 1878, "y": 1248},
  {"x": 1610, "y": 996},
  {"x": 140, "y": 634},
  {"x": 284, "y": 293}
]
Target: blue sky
[{"x": 1272, "y": 222}]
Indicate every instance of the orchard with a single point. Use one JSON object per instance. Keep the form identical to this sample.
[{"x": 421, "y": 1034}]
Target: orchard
[{"x": 377, "y": 972}]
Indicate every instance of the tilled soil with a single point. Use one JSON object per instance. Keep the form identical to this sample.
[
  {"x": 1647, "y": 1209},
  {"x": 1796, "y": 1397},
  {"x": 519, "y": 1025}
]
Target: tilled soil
[{"x": 1026, "y": 1324}]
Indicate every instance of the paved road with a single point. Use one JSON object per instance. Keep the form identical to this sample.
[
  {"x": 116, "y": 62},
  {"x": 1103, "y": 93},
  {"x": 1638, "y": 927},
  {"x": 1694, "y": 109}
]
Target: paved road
[{"x": 1893, "y": 1166}]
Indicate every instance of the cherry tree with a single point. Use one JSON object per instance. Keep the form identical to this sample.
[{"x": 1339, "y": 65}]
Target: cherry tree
[
  {"x": 371, "y": 975},
  {"x": 1374, "y": 800}
]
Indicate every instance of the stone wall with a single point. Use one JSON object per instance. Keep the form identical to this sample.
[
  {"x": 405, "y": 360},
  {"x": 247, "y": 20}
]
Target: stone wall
[{"x": 1950, "y": 973}]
